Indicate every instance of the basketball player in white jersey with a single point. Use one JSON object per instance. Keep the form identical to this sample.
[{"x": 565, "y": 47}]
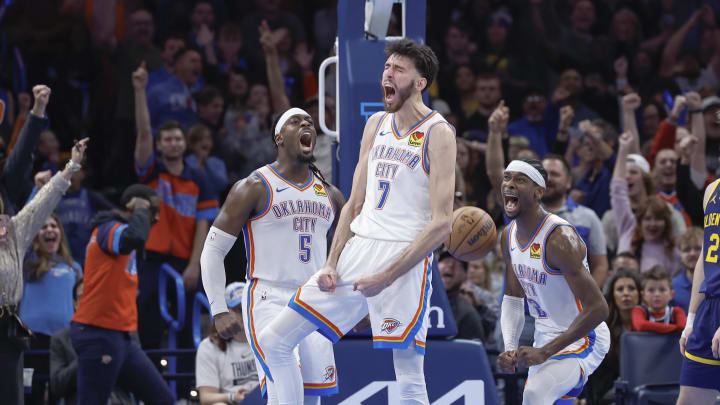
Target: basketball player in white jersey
[
  {"x": 285, "y": 210},
  {"x": 547, "y": 265},
  {"x": 399, "y": 211}
]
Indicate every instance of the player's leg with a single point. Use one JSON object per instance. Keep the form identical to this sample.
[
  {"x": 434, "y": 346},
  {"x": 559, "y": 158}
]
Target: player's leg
[
  {"x": 278, "y": 341},
  {"x": 696, "y": 396},
  {"x": 552, "y": 380},
  {"x": 410, "y": 376}
]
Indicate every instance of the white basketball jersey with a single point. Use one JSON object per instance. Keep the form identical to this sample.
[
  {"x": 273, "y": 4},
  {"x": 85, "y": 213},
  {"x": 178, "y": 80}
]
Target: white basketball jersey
[
  {"x": 397, "y": 193},
  {"x": 287, "y": 242},
  {"x": 551, "y": 302}
]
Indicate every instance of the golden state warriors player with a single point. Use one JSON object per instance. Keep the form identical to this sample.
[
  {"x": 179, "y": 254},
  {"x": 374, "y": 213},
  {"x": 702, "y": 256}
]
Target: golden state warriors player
[
  {"x": 700, "y": 341},
  {"x": 285, "y": 210},
  {"x": 399, "y": 211},
  {"x": 550, "y": 271}
]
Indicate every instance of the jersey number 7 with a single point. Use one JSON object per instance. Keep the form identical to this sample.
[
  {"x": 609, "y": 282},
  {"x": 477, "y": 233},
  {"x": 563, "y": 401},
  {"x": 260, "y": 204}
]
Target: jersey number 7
[{"x": 384, "y": 187}]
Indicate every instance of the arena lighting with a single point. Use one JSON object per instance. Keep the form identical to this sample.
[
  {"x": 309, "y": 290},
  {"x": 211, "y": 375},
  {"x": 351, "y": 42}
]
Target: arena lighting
[
  {"x": 163, "y": 362},
  {"x": 193, "y": 393}
]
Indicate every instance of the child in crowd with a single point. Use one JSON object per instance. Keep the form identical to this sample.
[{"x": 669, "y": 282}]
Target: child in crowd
[{"x": 654, "y": 314}]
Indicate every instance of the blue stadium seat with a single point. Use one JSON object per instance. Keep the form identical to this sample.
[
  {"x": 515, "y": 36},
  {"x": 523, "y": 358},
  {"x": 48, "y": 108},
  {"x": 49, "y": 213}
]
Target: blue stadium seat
[{"x": 649, "y": 369}]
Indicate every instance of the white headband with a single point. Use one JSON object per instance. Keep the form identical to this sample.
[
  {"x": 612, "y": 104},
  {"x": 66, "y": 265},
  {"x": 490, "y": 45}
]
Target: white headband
[
  {"x": 286, "y": 115},
  {"x": 526, "y": 169}
]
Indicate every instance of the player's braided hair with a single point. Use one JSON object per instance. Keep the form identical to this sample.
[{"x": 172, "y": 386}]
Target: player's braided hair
[{"x": 312, "y": 166}]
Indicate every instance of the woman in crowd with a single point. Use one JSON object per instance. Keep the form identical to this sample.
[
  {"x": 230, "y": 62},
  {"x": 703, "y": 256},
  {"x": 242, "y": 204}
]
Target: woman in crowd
[
  {"x": 622, "y": 296},
  {"x": 225, "y": 369},
  {"x": 649, "y": 232},
  {"x": 47, "y": 304}
]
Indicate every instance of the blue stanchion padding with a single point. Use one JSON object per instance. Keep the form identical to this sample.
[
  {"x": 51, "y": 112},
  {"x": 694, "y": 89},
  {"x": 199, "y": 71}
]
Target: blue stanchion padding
[
  {"x": 166, "y": 271},
  {"x": 454, "y": 369},
  {"x": 199, "y": 303}
]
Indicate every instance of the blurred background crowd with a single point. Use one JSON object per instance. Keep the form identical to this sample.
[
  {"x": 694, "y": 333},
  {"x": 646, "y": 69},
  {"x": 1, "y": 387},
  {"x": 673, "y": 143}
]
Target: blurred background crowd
[{"x": 181, "y": 95}]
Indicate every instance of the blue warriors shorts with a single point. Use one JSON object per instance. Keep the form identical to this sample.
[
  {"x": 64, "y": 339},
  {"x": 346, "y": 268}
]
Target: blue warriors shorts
[
  {"x": 398, "y": 315},
  {"x": 700, "y": 369}
]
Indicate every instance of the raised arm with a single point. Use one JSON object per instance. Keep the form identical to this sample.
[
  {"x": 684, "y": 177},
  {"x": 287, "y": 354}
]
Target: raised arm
[
  {"x": 276, "y": 83},
  {"x": 565, "y": 252},
  {"x": 144, "y": 139},
  {"x": 441, "y": 154},
  {"x": 674, "y": 44},
  {"x": 630, "y": 103},
  {"x": 698, "y": 168},
  {"x": 327, "y": 279},
  {"x": 246, "y": 197},
  {"x": 494, "y": 156},
  {"x": 19, "y": 164}
]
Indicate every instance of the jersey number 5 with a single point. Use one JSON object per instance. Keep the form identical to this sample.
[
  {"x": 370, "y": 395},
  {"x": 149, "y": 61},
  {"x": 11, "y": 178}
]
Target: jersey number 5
[
  {"x": 305, "y": 242},
  {"x": 384, "y": 187},
  {"x": 712, "y": 256}
]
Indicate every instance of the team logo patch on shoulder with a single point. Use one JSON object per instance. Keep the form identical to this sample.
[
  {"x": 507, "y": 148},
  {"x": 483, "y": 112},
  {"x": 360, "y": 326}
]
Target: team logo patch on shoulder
[
  {"x": 535, "y": 251},
  {"x": 389, "y": 325},
  {"x": 416, "y": 138},
  {"x": 329, "y": 374},
  {"x": 320, "y": 190}
]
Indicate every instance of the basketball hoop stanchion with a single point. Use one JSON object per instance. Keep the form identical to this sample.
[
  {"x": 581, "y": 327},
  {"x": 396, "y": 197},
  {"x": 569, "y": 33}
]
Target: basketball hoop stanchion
[{"x": 175, "y": 324}]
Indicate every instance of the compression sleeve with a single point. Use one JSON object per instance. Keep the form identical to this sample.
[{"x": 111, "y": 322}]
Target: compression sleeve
[
  {"x": 212, "y": 267},
  {"x": 512, "y": 320}
]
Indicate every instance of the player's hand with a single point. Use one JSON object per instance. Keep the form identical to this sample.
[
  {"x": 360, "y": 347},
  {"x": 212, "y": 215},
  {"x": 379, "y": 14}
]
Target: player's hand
[
  {"x": 716, "y": 344},
  {"x": 191, "y": 276},
  {"x": 363, "y": 324},
  {"x": 327, "y": 279},
  {"x": 684, "y": 337},
  {"x": 140, "y": 77},
  {"x": 373, "y": 284},
  {"x": 507, "y": 360},
  {"x": 227, "y": 324},
  {"x": 531, "y": 356}
]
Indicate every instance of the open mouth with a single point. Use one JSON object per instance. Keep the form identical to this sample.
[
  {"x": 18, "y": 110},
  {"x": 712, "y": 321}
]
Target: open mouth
[
  {"x": 389, "y": 93},
  {"x": 50, "y": 238},
  {"x": 306, "y": 141},
  {"x": 510, "y": 202}
]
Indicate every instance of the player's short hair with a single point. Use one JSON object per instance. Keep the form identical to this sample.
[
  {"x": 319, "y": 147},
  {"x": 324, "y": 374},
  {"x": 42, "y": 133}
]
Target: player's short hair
[
  {"x": 168, "y": 125},
  {"x": 206, "y": 95},
  {"x": 692, "y": 236},
  {"x": 537, "y": 165},
  {"x": 555, "y": 156},
  {"x": 424, "y": 59},
  {"x": 137, "y": 190},
  {"x": 182, "y": 51},
  {"x": 656, "y": 273}
]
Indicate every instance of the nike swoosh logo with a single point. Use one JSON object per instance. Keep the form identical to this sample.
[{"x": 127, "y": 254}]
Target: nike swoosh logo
[
  {"x": 512, "y": 248},
  {"x": 280, "y": 190},
  {"x": 384, "y": 133}
]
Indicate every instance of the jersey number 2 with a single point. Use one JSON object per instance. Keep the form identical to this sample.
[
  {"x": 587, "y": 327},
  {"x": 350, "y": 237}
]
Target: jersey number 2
[
  {"x": 384, "y": 187},
  {"x": 712, "y": 256},
  {"x": 305, "y": 242}
]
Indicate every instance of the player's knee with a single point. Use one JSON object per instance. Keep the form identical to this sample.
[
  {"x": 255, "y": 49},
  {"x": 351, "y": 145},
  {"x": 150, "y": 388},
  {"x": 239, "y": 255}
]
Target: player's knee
[{"x": 273, "y": 345}]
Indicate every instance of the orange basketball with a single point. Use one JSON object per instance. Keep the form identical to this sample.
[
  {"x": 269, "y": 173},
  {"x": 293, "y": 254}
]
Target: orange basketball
[{"x": 473, "y": 234}]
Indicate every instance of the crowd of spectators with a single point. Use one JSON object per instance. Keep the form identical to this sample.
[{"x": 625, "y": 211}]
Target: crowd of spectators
[{"x": 618, "y": 99}]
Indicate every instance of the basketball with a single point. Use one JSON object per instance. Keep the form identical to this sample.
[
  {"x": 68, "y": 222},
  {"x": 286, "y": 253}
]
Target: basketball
[{"x": 473, "y": 234}]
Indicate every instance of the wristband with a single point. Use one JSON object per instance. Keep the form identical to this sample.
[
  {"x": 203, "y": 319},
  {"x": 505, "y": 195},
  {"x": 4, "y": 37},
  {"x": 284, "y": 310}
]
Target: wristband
[
  {"x": 230, "y": 398},
  {"x": 688, "y": 324},
  {"x": 72, "y": 166}
]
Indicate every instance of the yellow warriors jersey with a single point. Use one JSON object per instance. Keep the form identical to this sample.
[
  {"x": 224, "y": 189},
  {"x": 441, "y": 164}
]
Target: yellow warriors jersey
[
  {"x": 397, "y": 193},
  {"x": 287, "y": 242}
]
